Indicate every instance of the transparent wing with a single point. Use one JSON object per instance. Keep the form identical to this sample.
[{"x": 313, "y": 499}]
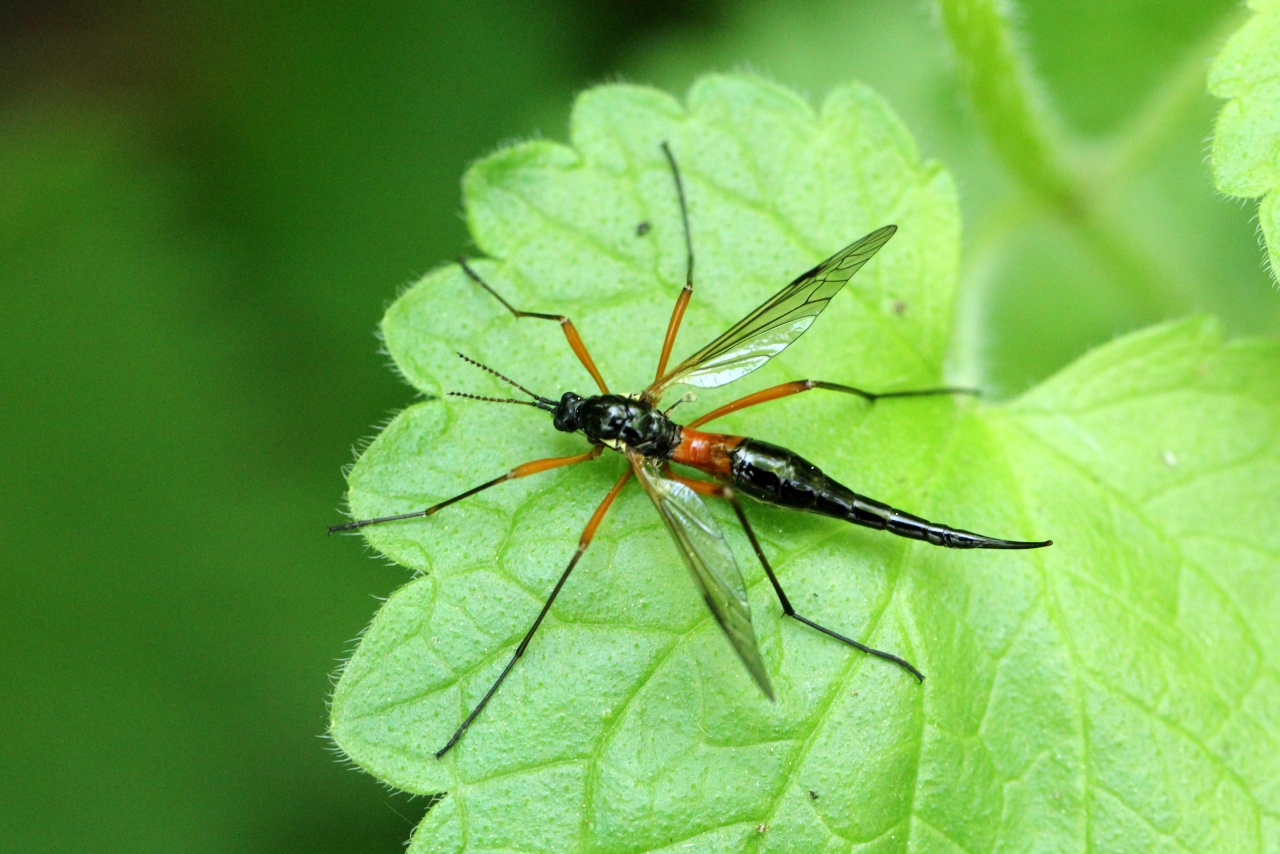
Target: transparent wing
[
  {"x": 701, "y": 544},
  {"x": 767, "y": 331}
]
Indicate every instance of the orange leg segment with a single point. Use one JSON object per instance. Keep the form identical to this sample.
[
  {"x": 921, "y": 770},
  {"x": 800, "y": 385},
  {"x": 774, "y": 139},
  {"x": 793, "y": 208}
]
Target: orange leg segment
[
  {"x": 585, "y": 540},
  {"x": 539, "y": 466},
  {"x": 570, "y": 332},
  {"x": 673, "y": 327},
  {"x": 522, "y": 470},
  {"x": 702, "y": 487},
  {"x": 798, "y": 386}
]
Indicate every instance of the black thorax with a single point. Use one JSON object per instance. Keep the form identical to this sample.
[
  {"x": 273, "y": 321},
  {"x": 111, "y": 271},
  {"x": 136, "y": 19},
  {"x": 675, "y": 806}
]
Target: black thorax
[{"x": 619, "y": 422}]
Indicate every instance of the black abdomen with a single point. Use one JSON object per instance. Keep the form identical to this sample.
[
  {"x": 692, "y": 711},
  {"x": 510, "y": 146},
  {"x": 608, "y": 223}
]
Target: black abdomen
[{"x": 775, "y": 475}]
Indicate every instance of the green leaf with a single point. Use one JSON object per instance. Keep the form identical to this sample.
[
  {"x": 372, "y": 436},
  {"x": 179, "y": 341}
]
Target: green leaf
[
  {"x": 1246, "y": 140},
  {"x": 1115, "y": 691}
]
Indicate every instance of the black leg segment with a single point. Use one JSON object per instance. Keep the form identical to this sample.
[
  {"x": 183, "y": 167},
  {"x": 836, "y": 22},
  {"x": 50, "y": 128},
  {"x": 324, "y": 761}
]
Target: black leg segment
[
  {"x": 523, "y": 470},
  {"x": 791, "y": 611},
  {"x": 570, "y": 331},
  {"x": 587, "y": 535}
]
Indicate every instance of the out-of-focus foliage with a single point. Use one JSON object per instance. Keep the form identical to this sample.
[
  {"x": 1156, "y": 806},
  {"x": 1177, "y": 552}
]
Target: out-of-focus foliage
[
  {"x": 204, "y": 209},
  {"x": 1246, "y": 143},
  {"x": 202, "y": 213}
]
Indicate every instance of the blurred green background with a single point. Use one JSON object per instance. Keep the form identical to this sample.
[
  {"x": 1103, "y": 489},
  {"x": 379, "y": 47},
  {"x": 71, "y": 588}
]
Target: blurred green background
[{"x": 204, "y": 209}]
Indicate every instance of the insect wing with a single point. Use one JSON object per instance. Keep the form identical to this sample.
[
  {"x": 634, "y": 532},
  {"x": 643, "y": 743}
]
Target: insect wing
[
  {"x": 701, "y": 543},
  {"x": 770, "y": 329}
]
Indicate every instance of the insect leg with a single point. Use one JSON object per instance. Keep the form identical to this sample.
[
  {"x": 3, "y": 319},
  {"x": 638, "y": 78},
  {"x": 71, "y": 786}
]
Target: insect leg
[
  {"x": 799, "y": 386},
  {"x": 717, "y": 490},
  {"x": 570, "y": 332},
  {"x": 588, "y": 534},
  {"x": 677, "y": 314},
  {"x": 786, "y": 603},
  {"x": 524, "y": 470}
]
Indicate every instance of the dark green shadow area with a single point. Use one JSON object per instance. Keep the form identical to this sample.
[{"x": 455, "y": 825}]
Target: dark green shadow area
[{"x": 204, "y": 211}]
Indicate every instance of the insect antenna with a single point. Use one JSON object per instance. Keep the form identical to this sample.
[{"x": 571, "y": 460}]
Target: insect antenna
[
  {"x": 538, "y": 401},
  {"x": 494, "y": 399}
]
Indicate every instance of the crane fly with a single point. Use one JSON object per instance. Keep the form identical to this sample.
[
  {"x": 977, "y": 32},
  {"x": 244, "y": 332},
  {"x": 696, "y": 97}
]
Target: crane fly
[{"x": 636, "y": 427}]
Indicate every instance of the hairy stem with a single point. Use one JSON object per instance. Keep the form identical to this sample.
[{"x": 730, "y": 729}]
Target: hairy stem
[
  {"x": 1008, "y": 100},
  {"x": 1059, "y": 179}
]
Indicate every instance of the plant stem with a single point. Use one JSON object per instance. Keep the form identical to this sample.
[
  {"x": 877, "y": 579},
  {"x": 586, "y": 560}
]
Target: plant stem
[
  {"x": 1058, "y": 179},
  {"x": 1008, "y": 100}
]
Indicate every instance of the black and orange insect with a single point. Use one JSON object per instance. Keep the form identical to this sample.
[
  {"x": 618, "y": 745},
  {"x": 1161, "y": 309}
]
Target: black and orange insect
[{"x": 635, "y": 426}]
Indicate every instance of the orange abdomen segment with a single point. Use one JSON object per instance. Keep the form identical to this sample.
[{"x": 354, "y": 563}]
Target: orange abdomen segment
[{"x": 706, "y": 452}]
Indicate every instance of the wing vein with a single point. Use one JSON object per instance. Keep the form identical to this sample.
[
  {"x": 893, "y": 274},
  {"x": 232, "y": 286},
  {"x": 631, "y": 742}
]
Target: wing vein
[{"x": 774, "y": 325}]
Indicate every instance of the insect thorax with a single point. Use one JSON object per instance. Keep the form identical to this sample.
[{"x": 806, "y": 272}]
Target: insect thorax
[{"x": 618, "y": 422}]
